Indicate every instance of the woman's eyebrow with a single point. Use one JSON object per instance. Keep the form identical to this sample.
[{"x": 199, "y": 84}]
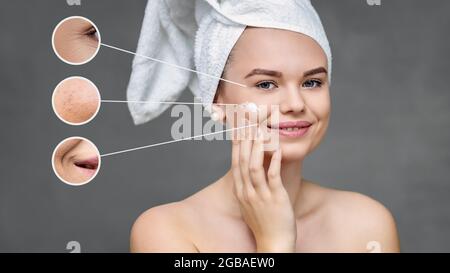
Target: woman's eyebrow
[
  {"x": 315, "y": 71},
  {"x": 260, "y": 71},
  {"x": 273, "y": 73}
]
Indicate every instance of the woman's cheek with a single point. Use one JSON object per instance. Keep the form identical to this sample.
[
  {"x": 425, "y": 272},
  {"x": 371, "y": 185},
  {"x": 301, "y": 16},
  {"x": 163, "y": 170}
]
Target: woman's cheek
[{"x": 320, "y": 105}]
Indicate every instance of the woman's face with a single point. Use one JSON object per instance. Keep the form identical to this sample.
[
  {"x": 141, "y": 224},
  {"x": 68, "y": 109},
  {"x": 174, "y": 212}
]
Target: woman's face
[
  {"x": 76, "y": 161},
  {"x": 287, "y": 69},
  {"x": 76, "y": 40}
]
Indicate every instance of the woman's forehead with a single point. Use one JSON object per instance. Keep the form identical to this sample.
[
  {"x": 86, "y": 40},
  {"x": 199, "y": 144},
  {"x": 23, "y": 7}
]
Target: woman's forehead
[{"x": 259, "y": 46}]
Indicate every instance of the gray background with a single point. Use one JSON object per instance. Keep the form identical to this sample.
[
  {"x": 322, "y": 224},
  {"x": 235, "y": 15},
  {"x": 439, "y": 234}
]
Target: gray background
[{"x": 389, "y": 135}]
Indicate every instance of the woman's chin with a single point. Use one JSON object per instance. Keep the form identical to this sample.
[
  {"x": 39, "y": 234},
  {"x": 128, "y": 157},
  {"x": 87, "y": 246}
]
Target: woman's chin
[{"x": 292, "y": 152}]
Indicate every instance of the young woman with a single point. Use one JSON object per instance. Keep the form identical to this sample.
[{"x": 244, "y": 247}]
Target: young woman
[
  {"x": 76, "y": 40},
  {"x": 267, "y": 53},
  {"x": 263, "y": 203}
]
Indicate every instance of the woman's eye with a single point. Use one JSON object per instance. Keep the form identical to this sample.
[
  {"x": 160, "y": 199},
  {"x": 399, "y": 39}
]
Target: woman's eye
[
  {"x": 266, "y": 85},
  {"x": 92, "y": 33},
  {"x": 312, "y": 84}
]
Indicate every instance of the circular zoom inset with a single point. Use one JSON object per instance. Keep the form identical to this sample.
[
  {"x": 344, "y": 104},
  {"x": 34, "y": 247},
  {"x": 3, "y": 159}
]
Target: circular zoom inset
[
  {"x": 76, "y": 161},
  {"x": 76, "y": 100},
  {"x": 76, "y": 40}
]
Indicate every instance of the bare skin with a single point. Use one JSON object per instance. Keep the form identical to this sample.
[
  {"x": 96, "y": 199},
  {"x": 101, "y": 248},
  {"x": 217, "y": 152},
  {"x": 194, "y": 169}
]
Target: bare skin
[
  {"x": 76, "y": 160},
  {"x": 76, "y": 40},
  {"x": 263, "y": 203},
  {"x": 76, "y": 100}
]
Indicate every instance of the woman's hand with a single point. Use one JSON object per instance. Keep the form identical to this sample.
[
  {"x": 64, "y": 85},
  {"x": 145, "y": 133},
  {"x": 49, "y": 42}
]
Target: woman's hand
[{"x": 264, "y": 202}]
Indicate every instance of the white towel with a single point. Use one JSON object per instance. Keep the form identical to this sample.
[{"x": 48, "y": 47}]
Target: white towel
[{"x": 199, "y": 35}]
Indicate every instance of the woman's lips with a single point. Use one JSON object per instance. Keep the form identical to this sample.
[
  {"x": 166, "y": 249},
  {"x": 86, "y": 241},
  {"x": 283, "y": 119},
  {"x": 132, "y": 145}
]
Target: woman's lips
[
  {"x": 88, "y": 166},
  {"x": 292, "y": 128}
]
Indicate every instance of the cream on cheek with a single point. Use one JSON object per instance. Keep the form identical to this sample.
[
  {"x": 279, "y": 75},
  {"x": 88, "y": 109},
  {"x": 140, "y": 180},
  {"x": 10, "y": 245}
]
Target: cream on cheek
[{"x": 247, "y": 106}]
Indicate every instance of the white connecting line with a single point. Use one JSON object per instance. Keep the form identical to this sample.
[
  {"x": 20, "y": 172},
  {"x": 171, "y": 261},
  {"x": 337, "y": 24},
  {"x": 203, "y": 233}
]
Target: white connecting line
[
  {"x": 165, "y": 102},
  {"x": 171, "y": 64},
  {"x": 176, "y": 140}
]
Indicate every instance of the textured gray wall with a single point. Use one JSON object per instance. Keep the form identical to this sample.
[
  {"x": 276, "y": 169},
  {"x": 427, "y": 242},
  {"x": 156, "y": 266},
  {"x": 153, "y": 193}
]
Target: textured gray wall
[{"x": 389, "y": 135}]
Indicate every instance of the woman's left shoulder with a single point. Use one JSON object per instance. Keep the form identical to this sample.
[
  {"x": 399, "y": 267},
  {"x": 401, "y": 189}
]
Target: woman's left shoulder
[{"x": 363, "y": 219}]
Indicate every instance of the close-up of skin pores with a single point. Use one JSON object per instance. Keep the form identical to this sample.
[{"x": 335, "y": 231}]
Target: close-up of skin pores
[
  {"x": 76, "y": 161},
  {"x": 76, "y": 40},
  {"x": 76, "y": 100}
]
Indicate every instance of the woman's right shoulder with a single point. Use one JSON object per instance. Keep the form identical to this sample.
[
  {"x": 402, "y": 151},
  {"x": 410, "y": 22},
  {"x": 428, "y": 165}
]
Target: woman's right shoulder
[{"x": 162, "y": 229}]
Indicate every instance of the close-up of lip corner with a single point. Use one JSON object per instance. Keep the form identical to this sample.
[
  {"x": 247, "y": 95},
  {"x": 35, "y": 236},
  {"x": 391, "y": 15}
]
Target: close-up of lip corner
[{"x": 76, "y": 161}]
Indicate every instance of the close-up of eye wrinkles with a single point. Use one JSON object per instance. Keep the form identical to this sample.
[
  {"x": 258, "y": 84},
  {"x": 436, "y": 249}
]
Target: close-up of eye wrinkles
[
  {"x": 76, "y": 40},
  {"x": 92, "y": 34}
]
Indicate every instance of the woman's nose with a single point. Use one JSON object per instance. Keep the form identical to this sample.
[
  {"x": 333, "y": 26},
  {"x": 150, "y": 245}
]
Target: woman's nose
[{"x": 292, "y": 100}]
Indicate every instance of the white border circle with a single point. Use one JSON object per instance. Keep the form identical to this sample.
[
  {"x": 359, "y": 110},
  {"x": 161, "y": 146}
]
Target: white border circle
[
  {"x": 96, "y": 51},
  {"x": 70, "y": 183},
  {"x": 76, "y": 123}
]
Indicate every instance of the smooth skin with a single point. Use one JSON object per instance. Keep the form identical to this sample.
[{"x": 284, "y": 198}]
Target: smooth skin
[{"x": 263, "y": 203}]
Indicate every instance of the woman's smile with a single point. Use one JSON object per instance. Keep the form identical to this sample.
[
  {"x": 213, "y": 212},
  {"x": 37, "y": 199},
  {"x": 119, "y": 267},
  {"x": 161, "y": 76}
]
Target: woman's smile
[{"x": 291, "y": 128}]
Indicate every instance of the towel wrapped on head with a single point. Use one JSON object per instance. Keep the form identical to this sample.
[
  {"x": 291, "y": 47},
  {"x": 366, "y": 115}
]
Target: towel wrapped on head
[{"x": 199, "y": 35}]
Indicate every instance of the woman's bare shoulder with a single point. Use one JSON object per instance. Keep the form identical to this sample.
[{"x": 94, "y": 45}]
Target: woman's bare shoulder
[
  {"x": 362, "y": 220},
  {"x": 162, "y": 229}
]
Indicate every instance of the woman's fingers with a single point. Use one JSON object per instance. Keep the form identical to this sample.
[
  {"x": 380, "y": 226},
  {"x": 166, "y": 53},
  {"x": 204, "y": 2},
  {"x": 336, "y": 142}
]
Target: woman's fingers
[
  {"x": 237, "y": 177},
  {"x": 246, "y": 144},
  {"x": 273, "y": 173},
  {"x": 256, "y": 167}
]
